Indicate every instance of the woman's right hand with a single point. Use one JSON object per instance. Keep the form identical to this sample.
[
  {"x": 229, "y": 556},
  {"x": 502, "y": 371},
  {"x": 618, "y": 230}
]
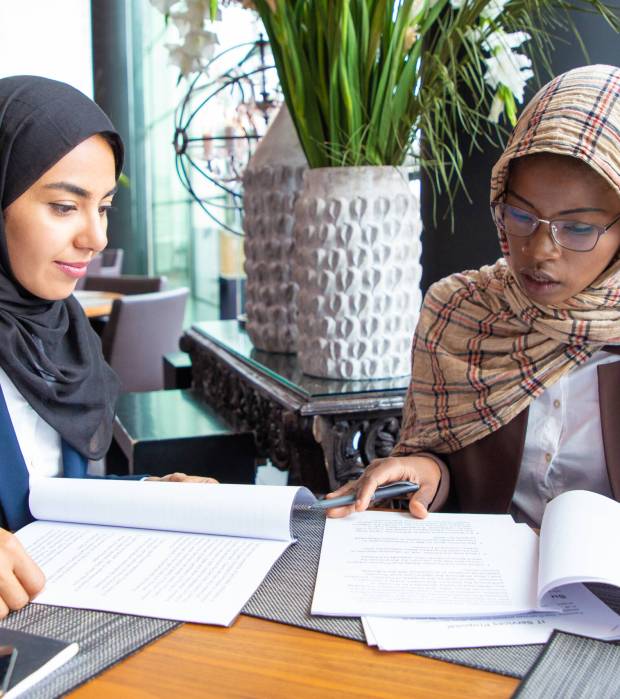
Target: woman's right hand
[
  {"x": 417, "y": 469},
  {"x": 21, "y": 579}
]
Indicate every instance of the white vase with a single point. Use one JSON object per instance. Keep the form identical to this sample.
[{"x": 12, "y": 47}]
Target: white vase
[
  {"x": 271, "y": 184},
  {"x": 357, "y": 264}
]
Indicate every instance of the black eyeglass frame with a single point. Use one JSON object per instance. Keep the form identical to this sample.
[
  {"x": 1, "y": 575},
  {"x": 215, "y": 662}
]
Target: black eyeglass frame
[{"x": 552, "y": 226}]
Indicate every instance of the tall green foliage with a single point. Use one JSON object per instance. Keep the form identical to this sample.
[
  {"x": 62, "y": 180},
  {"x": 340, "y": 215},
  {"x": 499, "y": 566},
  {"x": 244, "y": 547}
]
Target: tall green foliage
[{"x": 362, "y": 77}]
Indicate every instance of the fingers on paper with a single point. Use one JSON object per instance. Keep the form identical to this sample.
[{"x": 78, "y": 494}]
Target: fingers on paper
[
  {"x": 417, "y": 469},
  {"x": 429, "y": 477},
  {"x": 183, "y": 478},
  {"x": 418, "y": 505},
  {"x": 379, "y": 472},
  {"x": 20, "y": 577}
]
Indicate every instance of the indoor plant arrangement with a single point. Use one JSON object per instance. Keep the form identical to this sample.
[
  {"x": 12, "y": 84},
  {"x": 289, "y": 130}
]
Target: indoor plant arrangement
[{"x": 362, "y": 79}]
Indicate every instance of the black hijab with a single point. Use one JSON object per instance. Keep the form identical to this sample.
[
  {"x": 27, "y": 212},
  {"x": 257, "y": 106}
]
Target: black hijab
[{"x": 48, "y": 348}]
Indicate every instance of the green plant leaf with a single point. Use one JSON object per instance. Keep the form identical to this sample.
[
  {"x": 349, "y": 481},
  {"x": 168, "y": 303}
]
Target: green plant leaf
[{"x": 360, "y": 89}]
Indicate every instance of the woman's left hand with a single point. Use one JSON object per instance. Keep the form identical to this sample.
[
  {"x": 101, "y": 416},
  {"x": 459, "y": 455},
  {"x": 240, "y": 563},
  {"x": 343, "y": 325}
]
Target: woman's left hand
[{"x": 182, "y": 478}]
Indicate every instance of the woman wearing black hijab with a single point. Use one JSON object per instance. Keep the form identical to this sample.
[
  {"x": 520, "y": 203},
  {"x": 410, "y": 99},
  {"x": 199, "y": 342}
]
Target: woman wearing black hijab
[{"x": 60, "y": 158}]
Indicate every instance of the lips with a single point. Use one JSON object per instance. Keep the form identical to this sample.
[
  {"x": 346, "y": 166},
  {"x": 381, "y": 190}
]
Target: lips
[
  {"x": 537, "y": 275},
  {"x": 537, "y": 283},
  {"x": 75, "y": 270}
]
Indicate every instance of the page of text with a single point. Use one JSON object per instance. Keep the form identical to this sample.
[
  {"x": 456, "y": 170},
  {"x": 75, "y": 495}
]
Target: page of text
[
  {"x": 390, "y": 564},
  {"x": 186, "y": 577}
]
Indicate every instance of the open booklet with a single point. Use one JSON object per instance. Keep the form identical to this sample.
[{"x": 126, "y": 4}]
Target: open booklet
[
  {"x": 457, "y": 565},
  {"x": 183, "y": 551}
]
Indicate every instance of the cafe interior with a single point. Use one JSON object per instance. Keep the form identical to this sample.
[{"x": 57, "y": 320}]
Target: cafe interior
[{"x": 254, "y": 343}]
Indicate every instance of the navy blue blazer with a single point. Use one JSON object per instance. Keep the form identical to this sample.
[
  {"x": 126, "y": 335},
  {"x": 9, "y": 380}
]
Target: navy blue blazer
[{"x": 14, "y": 478}]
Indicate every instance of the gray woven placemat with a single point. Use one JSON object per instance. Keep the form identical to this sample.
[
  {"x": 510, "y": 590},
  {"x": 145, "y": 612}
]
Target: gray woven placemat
[
  {"x": 573, "y": 667},
  {"x": 286, "y": 596},
  {"x": 104, "y": 639}
]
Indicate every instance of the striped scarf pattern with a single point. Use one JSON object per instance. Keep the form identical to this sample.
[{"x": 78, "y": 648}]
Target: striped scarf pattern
[{"x": 482, "y": 350}]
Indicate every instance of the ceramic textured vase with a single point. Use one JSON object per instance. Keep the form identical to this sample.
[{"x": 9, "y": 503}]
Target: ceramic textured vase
[
  {"x": 357, "y": 264},
  {"x": 271, "y": 184}
]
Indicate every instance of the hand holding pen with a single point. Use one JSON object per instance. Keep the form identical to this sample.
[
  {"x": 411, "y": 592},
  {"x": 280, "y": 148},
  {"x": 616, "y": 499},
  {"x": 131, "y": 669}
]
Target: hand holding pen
[
  {"x": 421, "y": 470},
  {"x": 393, "y": 490}
]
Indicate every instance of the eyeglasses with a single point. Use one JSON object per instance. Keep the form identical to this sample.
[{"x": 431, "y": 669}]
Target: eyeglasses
[{"x": 572, "y": 235}]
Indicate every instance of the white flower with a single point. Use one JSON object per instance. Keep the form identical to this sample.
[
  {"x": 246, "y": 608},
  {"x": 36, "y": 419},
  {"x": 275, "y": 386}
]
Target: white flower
[
  {"x": 200, "y": 43},
  {"x": 457, "y": 4},
  {"x": 188, "y": 20},
  {"x": 494, "y": 9},
  {"x": 509, "y": 69},
  {"x": 500, "y": 40},
  {"x": 190, "y": 55},
  {"x": 185, "y": 62},
  {"x": 497, "y": 39},
  {"x": 497, "y": 108}
]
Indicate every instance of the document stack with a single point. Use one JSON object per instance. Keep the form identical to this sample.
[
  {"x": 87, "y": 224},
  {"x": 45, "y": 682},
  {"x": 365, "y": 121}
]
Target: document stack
[{"x": 455, "y": 580}]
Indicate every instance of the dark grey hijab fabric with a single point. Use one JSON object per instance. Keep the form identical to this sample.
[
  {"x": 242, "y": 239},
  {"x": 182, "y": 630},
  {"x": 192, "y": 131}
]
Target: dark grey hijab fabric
[{"x": 48, "y": 348}]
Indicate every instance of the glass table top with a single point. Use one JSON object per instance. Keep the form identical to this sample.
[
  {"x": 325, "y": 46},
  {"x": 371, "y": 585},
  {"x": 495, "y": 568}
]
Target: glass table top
[{"x": 230, "y": 335}]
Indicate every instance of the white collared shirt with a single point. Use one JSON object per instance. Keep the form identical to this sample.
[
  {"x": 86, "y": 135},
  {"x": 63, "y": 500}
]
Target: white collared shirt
[
  {"x": 563, "y": 443},
  {"x": 39, "y": 442}
]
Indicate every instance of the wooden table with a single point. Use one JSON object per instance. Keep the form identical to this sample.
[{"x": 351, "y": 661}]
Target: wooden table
[
  {"x": 96, "y": 303},
  {"x": 256, "y": 658}
]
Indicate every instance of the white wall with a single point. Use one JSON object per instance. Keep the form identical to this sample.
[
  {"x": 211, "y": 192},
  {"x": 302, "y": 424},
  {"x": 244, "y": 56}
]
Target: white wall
[{"x": 47, "y": 37}]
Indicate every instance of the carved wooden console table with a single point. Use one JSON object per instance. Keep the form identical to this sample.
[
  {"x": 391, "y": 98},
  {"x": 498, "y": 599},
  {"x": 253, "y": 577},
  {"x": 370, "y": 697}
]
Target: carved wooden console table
[{"x": 323, "y": 431}]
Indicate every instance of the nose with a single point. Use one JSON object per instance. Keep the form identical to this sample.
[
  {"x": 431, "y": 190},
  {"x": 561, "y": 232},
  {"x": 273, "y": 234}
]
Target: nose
[
  {"x": 93, "y": 233},
  {"x": 540, "y": 245}
]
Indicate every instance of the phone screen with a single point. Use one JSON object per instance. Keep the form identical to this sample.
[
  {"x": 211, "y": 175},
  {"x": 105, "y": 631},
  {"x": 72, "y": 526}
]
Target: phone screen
[{"x": 8, "y": 655}]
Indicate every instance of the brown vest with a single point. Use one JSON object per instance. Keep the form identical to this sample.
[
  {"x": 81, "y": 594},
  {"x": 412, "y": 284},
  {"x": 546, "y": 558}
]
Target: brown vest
[{"x": 483, "y": 475}]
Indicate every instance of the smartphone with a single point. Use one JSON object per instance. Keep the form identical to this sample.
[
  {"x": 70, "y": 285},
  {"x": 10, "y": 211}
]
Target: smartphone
[{"x": 8, "y": 656}]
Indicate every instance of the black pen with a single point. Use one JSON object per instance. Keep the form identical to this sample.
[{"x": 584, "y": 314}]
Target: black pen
[{"x": 385, "y": 491}]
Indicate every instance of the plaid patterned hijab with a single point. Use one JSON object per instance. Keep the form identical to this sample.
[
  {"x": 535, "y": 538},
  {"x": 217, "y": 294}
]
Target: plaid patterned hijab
[{"x": 483, "y": 350}]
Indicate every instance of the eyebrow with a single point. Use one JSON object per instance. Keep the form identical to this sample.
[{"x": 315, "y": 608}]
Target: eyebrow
[
  {"x": 78, "y": 191},
  {"x": 582, "y": 210}
]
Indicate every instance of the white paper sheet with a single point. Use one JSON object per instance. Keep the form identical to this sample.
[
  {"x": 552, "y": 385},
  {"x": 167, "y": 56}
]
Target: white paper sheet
[
  {"x": 368, "y": 632},
  {"x": 582, "y": 613},
  {"x": 390, "y": 564},
  {"x": 184, "y": 551},
  {"x": 258, "y": 511},
  {"x": 186, "y": 577}
]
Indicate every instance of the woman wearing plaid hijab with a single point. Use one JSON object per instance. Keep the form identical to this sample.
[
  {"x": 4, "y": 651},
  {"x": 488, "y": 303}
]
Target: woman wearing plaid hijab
[{"x": 515, "y": 389}]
